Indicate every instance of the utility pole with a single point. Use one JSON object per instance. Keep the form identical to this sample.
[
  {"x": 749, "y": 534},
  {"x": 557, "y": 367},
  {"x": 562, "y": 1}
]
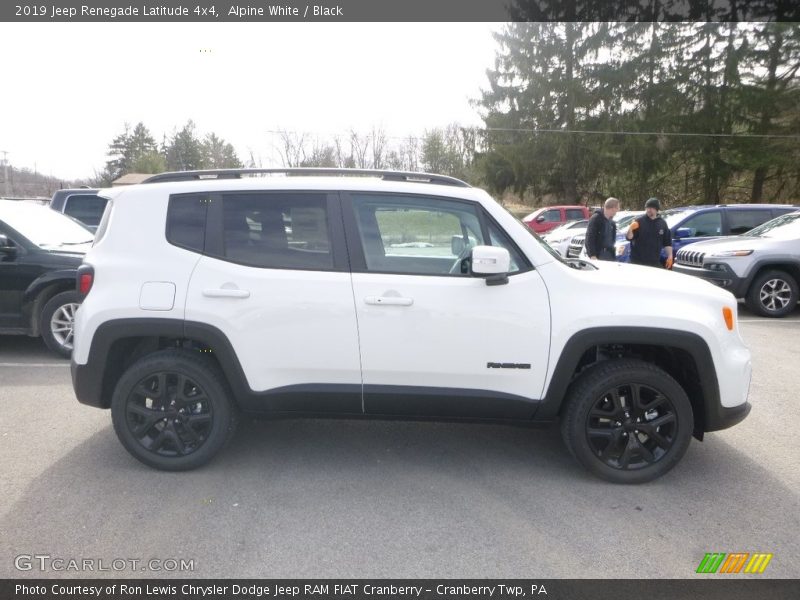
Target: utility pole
[{"x": 5, "y": 173}]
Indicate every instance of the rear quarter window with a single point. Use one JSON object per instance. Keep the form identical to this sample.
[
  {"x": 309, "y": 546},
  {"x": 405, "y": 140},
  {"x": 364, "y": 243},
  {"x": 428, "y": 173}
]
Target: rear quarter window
[
  {"x": 85, "y": 208},
  {"x": 186, "y": 221}
]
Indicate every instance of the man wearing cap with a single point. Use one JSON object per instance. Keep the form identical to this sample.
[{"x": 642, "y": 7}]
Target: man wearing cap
[
  {"x": 601, "y": 232},
  {"x": 648, "y": 235}
]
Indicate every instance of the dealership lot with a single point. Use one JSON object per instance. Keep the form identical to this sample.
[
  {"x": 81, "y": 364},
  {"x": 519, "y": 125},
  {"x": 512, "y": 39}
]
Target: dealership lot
[{"x": 325, "y": 498}]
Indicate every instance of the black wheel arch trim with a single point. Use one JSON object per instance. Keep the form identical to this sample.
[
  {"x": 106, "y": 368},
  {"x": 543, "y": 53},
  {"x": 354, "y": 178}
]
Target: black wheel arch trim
[
  {"x": 714, "y": 417},
  {"x": 779, "y": 264},
  {"x": 65, "y": 277},
  {"x": 89, "y": 380}
]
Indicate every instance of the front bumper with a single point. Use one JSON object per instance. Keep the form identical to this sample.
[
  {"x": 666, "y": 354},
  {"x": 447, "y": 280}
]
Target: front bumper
[
  {"x": 724, "y": 278},
  {"x": 718, "y": 417}
]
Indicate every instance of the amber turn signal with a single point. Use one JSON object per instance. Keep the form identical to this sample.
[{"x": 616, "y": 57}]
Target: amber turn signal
[{"x": 727, "y": 314}]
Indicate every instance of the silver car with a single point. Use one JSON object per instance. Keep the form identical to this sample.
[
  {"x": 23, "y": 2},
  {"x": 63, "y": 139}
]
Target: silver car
[{"x": 762, "y": 266}]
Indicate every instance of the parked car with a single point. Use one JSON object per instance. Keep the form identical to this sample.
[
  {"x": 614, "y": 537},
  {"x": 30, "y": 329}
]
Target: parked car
[
  {"x": 199, "y": 303},
  {"x": 82, "y": 204},
  {"x": 40, "y": 251},
  {"x": 575, "y": 246},
  {"x": 548, "y": 218},
  {"x": 696, "y": 223},
  {"x": 558, "y": 238},
  {"x": 762, "y": 266}
]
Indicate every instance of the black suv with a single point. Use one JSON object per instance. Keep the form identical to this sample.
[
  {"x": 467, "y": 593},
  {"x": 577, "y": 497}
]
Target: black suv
[
  {"x": 82, "y": 204},
  {"x": 40, "y": 251}
]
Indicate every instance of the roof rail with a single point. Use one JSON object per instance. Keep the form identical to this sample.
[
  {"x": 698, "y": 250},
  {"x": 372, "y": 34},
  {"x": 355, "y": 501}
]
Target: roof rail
[{"x": 302, "y": 171}]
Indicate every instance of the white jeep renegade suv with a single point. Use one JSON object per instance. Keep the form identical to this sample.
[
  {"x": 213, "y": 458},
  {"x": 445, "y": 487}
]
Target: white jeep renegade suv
[{"x": 384, "y": 294}]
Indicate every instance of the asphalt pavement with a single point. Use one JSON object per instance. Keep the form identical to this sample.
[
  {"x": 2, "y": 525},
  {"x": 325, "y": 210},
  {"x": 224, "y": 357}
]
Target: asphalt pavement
[{"x": 351, "y": 499}]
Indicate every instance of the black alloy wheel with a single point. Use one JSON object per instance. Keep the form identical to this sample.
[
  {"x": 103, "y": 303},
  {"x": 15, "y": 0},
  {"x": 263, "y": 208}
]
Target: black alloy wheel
[
  {"x": 172, "y": 410},
  {"x": 631, "y": 426},
  {"x": 627, "y": 421},
  {"x": 169, "y": 414}
]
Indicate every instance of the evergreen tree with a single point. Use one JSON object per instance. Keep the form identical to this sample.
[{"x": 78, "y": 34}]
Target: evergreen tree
[
  {"x": 218, "y": 154},
  {"x": 184, "y": 152}
]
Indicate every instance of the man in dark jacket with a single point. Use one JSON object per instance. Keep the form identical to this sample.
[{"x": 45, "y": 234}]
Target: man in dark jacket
[
  {"x": 601, "y": 233},
  {"x": 648, "y": 235}
]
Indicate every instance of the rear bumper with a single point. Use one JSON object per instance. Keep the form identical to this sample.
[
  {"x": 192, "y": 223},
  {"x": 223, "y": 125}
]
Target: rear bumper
[{"x": 87, "y": 385}]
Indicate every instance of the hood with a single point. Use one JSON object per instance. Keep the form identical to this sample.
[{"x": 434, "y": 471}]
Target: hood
[
  {"x": 636, "y": 277},
  {"x": 737, "y": 242},
  {"x": 70, "y": 249}
]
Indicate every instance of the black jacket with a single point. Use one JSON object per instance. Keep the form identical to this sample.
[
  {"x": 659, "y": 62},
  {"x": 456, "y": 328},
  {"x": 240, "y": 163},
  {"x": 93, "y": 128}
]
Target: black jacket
[{"x": 596, "y": 242}]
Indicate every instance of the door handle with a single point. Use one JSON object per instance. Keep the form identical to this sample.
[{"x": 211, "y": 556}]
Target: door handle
[
  {"x": 389, "y": 300},
  {"x": 226, "y": 293}
]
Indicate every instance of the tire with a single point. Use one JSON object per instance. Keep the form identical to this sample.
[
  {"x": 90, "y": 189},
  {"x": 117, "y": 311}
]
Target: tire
[
  {"x": 193, "y": 397},
  {"x": 599, "y": 426},
  {"x": 772, "y": 294},
  {"x": 56, "y": 322}
]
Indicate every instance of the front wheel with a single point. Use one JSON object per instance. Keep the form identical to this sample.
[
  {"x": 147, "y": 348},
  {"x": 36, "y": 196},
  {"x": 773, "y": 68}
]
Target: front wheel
[
  {"x": 172, "y": 410},
  {"x": 772, "y": 294},
  {"x": 627, "y": 421},
  {"x": 56, "y": 322}
]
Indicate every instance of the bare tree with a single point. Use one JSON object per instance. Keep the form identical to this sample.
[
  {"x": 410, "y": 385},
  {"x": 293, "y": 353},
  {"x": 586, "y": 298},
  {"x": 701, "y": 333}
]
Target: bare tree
[
  {"x": 378, "y": 140},
  {"x": 292, "y": 148},
  {"x": 358, "y": 149}
]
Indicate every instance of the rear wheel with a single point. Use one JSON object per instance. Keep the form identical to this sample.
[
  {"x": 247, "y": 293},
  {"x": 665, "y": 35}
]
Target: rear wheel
[
  {"x": 172, "y": 410},
  {"x": 627, "y": 421},
  {"x": 56, "y": 322},
  {"x": 772, "y": 294}
]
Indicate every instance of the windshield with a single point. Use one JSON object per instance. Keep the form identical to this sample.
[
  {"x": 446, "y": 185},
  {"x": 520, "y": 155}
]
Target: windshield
[
  {"x": 535, "y": 235},
  {"x": 625, "y": 221},
  {"x": 45, "y": 227},
  {"x": 675, "y": 216},
  {"x": 785, "y": 227}
]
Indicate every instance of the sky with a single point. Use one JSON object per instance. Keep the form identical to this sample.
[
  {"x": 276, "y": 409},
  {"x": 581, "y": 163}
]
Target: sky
[{"x": 69, "y": 88}]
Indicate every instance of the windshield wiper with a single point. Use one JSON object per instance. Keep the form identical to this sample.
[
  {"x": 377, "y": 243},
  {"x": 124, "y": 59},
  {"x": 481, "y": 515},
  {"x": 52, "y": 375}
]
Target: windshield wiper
[{"x": 75, "y": 243}]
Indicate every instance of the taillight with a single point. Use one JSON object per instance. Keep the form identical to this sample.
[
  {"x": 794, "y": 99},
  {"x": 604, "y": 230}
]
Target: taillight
[{"x": 85, "y": 279}]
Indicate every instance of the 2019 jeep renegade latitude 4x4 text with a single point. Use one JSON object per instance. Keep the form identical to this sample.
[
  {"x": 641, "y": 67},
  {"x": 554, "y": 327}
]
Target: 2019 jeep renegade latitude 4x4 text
[{"x": 384, "y": 294}]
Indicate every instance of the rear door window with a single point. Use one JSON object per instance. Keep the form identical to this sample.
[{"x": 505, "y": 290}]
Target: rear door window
[
  {"x": 574, "y": 214},
  {"x": 277, "y": 230},
  {"x": 742, "y": 221}
]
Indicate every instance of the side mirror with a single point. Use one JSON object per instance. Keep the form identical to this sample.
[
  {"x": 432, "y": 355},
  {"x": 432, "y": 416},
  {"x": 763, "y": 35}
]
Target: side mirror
[
  {"x": 491, "y": 262},
  {"x": 457, "y": 245},
  {"x": 683, "y": 232},
  {"x": 540, "y": 219},
  {"x": 7, "y": 247}
]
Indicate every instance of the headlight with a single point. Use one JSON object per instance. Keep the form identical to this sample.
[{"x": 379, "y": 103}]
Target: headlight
[{"x": 730, "y": 253}]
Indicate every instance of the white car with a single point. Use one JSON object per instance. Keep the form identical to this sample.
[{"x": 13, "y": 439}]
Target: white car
[
  {"x": 211, "y": 293},
  {"x": 558, "y": 239}
]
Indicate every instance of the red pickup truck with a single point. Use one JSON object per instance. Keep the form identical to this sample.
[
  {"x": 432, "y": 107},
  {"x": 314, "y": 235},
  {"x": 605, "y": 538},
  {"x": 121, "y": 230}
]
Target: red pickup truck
[{"x": 550, "y": 217}]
